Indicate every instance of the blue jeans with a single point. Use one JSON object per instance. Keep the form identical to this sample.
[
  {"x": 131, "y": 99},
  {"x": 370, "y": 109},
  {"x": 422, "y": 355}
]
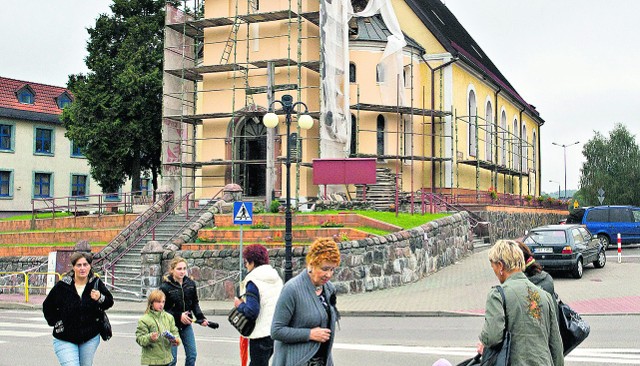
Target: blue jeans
[
  {"x": 188, "y": 340},
  {"x": 71, "y": 354}
]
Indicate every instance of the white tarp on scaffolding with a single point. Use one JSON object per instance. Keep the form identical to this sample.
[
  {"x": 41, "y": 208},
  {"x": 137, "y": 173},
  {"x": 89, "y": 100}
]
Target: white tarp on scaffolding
[{"x": 335, "y": 131}]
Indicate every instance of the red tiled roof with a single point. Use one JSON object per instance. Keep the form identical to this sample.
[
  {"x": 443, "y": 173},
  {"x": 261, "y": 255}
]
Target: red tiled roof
[{"x": 44, "y": 99}]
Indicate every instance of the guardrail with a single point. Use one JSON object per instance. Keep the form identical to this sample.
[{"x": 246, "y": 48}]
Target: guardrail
[
  {"x": 25, "y": 284},
  {"x": 98, "y": 203}
]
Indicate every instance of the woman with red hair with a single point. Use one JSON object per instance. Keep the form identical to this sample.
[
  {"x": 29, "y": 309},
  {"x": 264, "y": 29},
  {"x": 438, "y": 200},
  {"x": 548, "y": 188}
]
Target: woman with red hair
[{"x": 304, "y": 322}]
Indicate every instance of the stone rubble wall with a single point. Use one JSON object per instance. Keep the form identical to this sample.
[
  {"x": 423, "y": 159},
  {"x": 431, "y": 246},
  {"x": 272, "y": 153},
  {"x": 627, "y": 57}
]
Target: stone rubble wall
[
  {"x": 11, "y": 283},
  {"x": 367, "y": 265}
]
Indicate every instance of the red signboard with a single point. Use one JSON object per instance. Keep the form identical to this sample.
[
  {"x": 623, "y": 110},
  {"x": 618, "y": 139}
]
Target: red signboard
[{"x": 344, "y": 171}]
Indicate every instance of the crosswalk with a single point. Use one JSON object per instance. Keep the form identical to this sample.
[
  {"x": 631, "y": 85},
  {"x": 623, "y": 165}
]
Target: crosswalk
[
  {"x": 19, "y": 327},
  {"x": 31, "y": 324}
]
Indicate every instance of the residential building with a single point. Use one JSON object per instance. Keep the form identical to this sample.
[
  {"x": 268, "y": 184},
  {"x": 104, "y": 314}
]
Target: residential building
[{"x": 37, "y": 161}]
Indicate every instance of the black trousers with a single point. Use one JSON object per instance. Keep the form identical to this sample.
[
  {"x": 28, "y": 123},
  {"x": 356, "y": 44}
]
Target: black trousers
[{"x": 260, "y": 351}]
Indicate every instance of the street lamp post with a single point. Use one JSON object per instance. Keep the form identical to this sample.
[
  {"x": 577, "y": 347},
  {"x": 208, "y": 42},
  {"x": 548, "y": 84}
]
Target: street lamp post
[
  {"x": 305, "y": 122},
  {"x": 564, "y": 147},
  {"x": 558, "y": 183}
]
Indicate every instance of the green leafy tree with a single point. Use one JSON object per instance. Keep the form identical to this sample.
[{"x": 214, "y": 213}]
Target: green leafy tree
[
  {"x": 116, "y": 115},
  {"x": 612, "y": 164}
]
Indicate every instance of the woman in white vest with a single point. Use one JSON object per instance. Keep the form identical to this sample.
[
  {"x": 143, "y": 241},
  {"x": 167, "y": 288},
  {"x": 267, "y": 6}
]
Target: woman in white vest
[{"x": 260, "y": 290}]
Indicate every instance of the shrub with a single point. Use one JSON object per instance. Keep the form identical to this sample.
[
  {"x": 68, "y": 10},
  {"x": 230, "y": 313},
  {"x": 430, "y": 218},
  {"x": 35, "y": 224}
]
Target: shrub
[
  {"x": 331, "y": 223},
  {"x": 275, "y": 206},
  {"x": 260, "y": 225}
]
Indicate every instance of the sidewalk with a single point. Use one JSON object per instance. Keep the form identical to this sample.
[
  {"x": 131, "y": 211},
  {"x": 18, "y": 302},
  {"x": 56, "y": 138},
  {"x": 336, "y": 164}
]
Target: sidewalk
[{"x": 457, "y": 290}]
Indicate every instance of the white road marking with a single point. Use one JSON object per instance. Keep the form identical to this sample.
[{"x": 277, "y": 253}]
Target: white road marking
[
  {"x": 23, "y": 325},
  {"x": 18, "y": 333}
]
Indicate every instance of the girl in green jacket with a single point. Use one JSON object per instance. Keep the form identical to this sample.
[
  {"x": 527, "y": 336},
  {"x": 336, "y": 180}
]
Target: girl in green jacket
[{"x": 157, "y": 332}]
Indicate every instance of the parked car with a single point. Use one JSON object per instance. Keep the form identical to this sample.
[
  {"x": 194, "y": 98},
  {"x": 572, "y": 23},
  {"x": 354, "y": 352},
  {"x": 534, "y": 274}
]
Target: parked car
[
  {"x": 567, "y": 248},
  {"x": 608, "y": 221}
]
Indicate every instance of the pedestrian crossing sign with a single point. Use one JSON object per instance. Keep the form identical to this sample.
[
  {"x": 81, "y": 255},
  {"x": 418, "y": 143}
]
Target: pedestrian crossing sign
[{"x": 242, "y": 213}]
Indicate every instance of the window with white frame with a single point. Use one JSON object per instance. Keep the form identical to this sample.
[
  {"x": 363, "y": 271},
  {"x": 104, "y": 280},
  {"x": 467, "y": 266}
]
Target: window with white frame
[
  {"x": 515, "y": 146},
  {"x": 525, "y": 149},
  {"x": 472, "y": 123},
  {"x": 488, "y": 141},
  {"x": 503, "y": 137},
  {"x": 534, "y": 151}
]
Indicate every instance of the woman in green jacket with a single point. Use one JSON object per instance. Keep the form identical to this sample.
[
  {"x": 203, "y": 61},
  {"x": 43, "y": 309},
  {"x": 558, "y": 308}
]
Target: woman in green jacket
[
  {"x": 157, "y": 332},
  {"x": 531, "y": 312}
]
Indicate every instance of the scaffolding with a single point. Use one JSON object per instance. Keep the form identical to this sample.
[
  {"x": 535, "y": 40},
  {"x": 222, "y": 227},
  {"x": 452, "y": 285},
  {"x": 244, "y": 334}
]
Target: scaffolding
[{"x": 218, "y": 87}]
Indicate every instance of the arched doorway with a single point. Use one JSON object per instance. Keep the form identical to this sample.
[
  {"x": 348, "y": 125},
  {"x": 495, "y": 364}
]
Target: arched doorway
[{"x": 250, "y": 154}]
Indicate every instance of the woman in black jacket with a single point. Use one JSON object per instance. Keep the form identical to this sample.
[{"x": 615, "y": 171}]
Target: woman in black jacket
[
  {"x": 182, "y": 303},
  {"x": 73, "y": 308}
]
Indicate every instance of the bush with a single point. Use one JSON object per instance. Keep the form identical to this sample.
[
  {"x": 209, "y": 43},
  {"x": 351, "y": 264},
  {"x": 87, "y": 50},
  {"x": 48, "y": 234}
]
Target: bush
[
  {"x": 275, "y": 206},
  {"x": 331, "y": 223},
  {"x": 260, "y": 225}
]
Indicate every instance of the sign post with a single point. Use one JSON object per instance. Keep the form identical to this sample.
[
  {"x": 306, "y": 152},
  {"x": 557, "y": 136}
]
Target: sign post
[{"x": 242, "y": 214}]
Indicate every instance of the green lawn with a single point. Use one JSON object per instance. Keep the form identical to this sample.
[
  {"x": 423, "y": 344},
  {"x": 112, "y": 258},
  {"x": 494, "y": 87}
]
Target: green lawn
[
  {"x": 38, "y": 216},
  {"x": 66, "y": 244},
  {"x": 404, "y": 220}
]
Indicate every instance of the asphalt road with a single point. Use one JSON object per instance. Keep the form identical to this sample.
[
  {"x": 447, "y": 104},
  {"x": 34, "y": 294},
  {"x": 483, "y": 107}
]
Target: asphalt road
[{"x": 25, "y": 340}]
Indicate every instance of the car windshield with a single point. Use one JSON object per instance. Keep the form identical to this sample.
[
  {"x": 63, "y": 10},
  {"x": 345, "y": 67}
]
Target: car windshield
[{"x": 546, "y": 237}]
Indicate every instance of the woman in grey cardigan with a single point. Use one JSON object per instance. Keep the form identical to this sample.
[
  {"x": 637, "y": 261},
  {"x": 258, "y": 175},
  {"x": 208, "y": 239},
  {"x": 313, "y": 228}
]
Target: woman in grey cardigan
[{"x": 304, "y": 321}]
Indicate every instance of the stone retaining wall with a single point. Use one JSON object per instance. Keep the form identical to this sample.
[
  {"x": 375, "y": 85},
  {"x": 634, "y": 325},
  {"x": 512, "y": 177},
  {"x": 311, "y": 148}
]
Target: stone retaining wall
[
  {"x": 14, "y": 283},
  {"x": 511, "y": 225},
  {"x": 367, "y": 264}
]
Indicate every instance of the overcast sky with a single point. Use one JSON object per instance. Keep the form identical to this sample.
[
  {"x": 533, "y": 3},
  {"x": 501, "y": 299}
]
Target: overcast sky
[{"x": 573, "y": 59}]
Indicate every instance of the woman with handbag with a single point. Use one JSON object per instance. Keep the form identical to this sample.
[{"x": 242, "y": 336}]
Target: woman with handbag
[
  {"x": 261, "y": 289},
  {"x": 182, "y": 303},
  {"x": 74, "y": 309},
  {"x": 520, "y": 310},
  {"x": 304, "y": 321}
]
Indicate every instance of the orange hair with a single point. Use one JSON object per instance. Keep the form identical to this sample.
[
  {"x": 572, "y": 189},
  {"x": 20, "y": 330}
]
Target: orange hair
[{"x": 323, "y": 250}]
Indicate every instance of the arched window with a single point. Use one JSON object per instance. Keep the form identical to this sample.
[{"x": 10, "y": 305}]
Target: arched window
[
  {"x": 488, "y": 140},
  {"x": 515, "y": 146},
  {"x": 472, "y": 123},
  {"x": 525, "y": 149},
  {"x": 379, "y": 73},
  {"x": 352, "y": 72},
  {"x": 354, "y": 136},
  {"x": 503, "y": 137},
  {"x": 380, "y": 135},
  {"x": 534, "y": 150}
]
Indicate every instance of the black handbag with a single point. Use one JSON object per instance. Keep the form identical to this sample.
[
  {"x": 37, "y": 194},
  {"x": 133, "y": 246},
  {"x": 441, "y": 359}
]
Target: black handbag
[
  {"x": 243, "y": 324},
  {"x": 499, "y": 354},
  {"x": 573, "y": 329},
  {"x": 105, "y": 325}
]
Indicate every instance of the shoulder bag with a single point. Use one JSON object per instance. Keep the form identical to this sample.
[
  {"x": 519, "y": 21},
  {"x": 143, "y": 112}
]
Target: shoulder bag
[
  {"x": 573, "y": 329},
  {"x": 499, "y": 354},
  {"x": 105, "y": 325},
  {"x": 239, "y": 321}
]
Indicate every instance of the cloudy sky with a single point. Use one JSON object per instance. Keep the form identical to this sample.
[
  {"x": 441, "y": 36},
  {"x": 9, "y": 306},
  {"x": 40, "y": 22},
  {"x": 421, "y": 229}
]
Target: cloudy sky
[{"x": 573, "y": 59}]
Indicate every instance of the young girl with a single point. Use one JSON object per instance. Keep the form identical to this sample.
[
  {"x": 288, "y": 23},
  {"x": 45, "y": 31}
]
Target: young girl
[{"x": 156, "y": 332}]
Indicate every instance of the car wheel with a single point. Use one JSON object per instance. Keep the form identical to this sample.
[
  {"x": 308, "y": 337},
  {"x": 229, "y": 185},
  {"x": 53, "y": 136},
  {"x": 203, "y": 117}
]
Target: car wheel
[
  {"x": 604, "y": 240},
  {"x": 601, "y": 261},
  {"x": 577, "y": 270}
]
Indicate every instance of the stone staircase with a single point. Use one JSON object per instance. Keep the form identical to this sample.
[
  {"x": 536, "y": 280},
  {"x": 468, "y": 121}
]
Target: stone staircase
[{"x": 127, "y": 272}]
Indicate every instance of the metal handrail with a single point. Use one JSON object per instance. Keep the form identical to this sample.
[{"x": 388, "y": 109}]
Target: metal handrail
[
  {"x": 140, "y": 221},
  {"x": 73, "y": 203},
  {"x": 112, "y": 263},
  {"x": 194, "y": 217},
  {"x": 475, "y": 219}
]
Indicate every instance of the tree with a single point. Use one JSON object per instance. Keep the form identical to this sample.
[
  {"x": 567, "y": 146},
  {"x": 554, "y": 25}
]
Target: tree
[
  {"x": 612, "y": 164},
  {"x": 116, "y": 114}
]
